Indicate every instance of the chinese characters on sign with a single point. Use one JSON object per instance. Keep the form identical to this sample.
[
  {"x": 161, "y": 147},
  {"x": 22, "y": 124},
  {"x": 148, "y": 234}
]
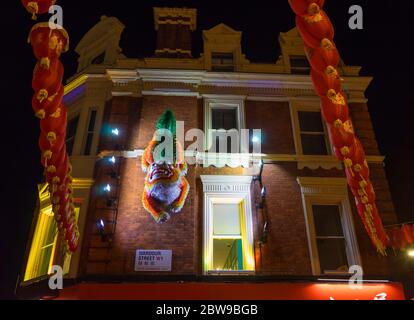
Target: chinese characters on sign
[{"x": 153, "y": 260}]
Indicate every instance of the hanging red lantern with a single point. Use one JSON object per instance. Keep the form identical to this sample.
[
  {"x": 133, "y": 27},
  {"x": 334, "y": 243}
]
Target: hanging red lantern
[
  {"x": 314, "y": 28},
  {"x": 303, "y": 7},
  {"x": 355, "y": 180},
  {"x": 47, "y": 82},
  {"x": 334, "y": 111},
  {"x": 56, "y": 125},
  {"x": 47, "y": 106},
  {"x": 323, "y": 56},
  {"x": 322, "y": 82},
  {"x": 48, "y": 44},
  {"x": 37, "y": 6},
  {"x": 51, "y": 161},
  {"x": 407, "y": 234},
  {"x": 358, "y": 157},
  {"x": 45, "y": 145},
  {"x": 341, "y": 134},
  {"x": 61, "y": 173}
]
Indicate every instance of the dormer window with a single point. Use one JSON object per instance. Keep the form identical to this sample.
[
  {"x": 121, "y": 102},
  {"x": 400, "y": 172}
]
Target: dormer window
[
  {"x": 222, "y": 62},
  {"x": 299, "y": 65}
]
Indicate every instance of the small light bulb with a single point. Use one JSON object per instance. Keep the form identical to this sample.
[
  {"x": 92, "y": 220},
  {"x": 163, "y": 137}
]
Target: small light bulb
[
  {"x": 101, "y": 223},
  {"x": 115, "y": 132},
  {"x": 411, "y": 253},
  {"x": 112, "y": 159},
  {"x": 107, "y": 188}
]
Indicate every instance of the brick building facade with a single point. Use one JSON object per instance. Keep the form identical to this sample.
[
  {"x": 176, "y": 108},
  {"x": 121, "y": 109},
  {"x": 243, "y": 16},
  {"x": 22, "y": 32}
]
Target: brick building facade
[{"x": 303, "y": 180}]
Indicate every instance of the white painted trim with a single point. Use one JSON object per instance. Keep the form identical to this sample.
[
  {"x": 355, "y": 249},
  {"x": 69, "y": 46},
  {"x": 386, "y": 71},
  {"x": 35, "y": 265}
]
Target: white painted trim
[
  {"x": 167, "y": 93},
  {"x": 222, "y": 189},
  {"x": 219, "y": 102},
  {"x": 310, "y": 161},
  {"x": 328, "y": 191},
  {"x": 241, "y": 158}
]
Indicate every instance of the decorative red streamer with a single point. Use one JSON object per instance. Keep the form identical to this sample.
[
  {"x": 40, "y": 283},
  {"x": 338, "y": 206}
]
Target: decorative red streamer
[
  {"x": 47, "y": 103},
  {"x": 317, "y": 33}
]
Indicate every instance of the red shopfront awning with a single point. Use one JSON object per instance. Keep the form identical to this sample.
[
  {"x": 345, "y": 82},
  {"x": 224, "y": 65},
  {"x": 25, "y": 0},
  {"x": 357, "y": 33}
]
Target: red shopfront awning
[{"x": 232, "y": 291}]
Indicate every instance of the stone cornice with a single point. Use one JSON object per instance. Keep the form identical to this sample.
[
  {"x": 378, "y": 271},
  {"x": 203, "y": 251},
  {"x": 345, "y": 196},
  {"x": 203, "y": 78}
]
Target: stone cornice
[{"x": 251, "y": 85}]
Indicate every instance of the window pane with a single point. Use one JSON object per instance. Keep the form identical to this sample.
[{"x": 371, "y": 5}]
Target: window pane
[
  {"x": 332, "y": 255},
  {"x": 227, "y": 254},
  {"x": 88, "y": 144},
  {"x": 70, "y": 134},
  {"x": 92, "y": 118},
  {"x": 226, "y": 219},
  {"x": 327, "y": 219},
  {"x": 224, "y": 118},
  {"x": 310, "y": 121},
  {"x": 299, "y": 61},
  {"x": 314, "y": 144}
]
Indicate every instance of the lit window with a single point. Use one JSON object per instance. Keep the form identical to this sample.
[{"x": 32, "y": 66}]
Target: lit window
[
  {"x": 227, "y": 237},
  {"x": 299, "y": 65},
  {"x": 71, "y": 134},
  {"x": 312, "y": 133},
  {"x": 228, "y": 234},
  {"x": 43, "y": 250},
  {"x": 90, "y": 133},
  {"x": 222, "y": 62}
]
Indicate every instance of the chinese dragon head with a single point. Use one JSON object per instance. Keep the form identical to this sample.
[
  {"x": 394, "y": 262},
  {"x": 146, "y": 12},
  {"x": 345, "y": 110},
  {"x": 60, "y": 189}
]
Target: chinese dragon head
[{"x": 166, "y": 187}]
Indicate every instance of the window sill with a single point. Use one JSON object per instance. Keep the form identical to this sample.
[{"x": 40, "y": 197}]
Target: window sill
[
  {"x": 230, "y": 272},
  {"x": 316, "y": 162}
]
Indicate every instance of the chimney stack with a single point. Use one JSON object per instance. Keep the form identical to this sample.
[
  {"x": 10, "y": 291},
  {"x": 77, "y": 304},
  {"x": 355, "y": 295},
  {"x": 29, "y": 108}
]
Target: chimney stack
[{"x": 174, "y": 27}]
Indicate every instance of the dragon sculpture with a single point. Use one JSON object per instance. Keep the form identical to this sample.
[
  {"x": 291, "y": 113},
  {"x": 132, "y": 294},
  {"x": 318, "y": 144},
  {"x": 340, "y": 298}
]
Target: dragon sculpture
[{"x": 166, "y": 187}]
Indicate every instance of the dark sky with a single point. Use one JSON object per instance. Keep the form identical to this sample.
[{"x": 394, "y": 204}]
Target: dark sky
[{"x": 384, "y": 49}]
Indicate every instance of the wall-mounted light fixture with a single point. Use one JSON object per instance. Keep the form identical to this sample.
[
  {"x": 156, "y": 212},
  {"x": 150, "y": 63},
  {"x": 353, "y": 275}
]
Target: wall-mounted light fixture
[{"x": 101, "y": 228}]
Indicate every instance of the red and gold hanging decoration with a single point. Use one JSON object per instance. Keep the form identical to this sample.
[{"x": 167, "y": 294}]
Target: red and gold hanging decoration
[
  {"x": 317, "y": 33},
  {"x": 37, "y": 6},
  {"x": 401, "y": 237},
  {"x": 47, "y": 103}
]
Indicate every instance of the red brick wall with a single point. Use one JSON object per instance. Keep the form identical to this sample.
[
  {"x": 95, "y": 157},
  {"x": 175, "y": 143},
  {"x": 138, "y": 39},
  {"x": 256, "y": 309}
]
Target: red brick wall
[
  {"x": 363, "y": 127},
  {"x": 273, "y": 118},
  {"x": 286, "y": 252}
]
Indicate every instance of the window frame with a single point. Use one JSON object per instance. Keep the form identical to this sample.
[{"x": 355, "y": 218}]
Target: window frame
[
  {"x": 227, "y": 189},
  {"x": 328, "y": 191},
  {"x": 75, "y": 116},
  {"x": 223, "y": 67},
  {"x": 87, "y": 132},
  {"x": 222, "y": 103},
  {"x": 307, "y": 107}
]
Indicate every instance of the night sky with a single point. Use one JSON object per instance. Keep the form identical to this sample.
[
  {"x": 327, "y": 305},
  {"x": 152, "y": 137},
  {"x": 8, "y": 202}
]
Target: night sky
[{"x": 384, "y": 49}]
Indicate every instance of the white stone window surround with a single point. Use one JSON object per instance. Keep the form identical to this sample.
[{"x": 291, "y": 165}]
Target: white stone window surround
[
  {"x": 222, "y": 102},
  {"x": 220, "y": 189},
  {"x": 310, "y": 161},
  {"x": 328, "y": 191}
]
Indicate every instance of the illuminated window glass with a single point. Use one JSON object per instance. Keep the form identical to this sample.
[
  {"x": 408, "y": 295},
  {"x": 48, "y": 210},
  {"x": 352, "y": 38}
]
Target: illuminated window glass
[
  {"x": 227, "y": 237},
  {"x": 42, "y": 255}
]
